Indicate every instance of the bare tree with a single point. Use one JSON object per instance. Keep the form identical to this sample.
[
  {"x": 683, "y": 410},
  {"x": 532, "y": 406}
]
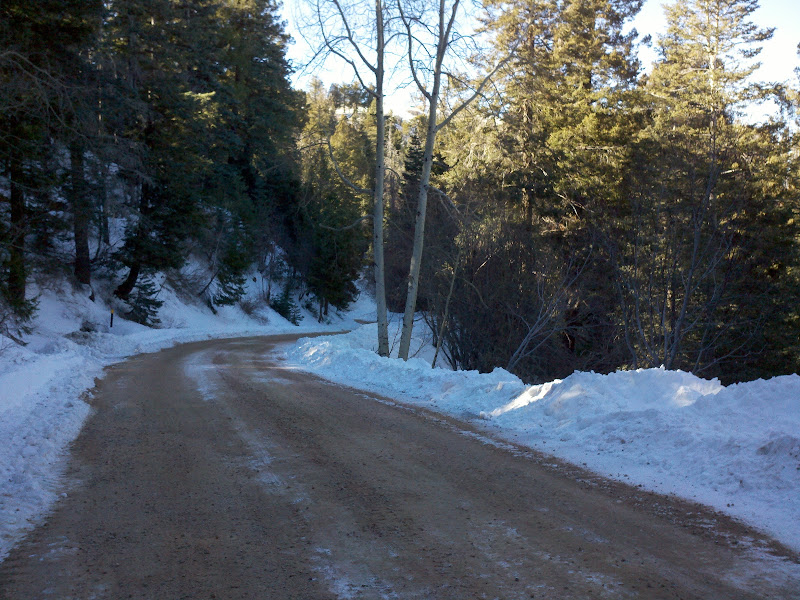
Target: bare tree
[
  {"x": 338, "y": 23},
  {"x": 676, "y": 276},
  {"x": 430, "y": 36},
  {"x": 552, "y": 301}
]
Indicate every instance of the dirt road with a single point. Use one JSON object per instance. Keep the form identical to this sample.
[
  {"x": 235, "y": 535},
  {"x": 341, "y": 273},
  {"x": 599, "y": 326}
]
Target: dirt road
[{"x": 212, "y": 471}]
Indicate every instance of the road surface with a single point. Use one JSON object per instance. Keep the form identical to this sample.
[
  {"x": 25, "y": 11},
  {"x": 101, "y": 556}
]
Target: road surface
[{"x": 212, "y": 470}]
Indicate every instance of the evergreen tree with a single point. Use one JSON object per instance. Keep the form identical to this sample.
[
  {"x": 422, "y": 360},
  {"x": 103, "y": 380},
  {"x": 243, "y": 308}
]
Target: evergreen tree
[
  {"x": 248, "y": 128},
  {"x": 259, "y": 114},
  {"x": 43, "y": 50},
  {"x": 213, "y": 116},
  {"x": 337, "y": 164},
  {"x": 154, "y": 49},
  {"x": 693, "y": 275},
  {"x": 567, "y": 99}
]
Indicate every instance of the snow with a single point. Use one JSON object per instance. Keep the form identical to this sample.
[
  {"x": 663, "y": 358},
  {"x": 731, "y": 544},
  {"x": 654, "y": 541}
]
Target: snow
[{"x": 734, "y": 448}]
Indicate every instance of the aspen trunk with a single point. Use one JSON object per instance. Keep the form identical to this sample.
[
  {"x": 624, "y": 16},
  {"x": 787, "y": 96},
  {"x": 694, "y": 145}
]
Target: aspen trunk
[
  {"x": 425, "y": 178},
  {"x": 419, "y": 234},
  {"x": 377, "y": 213}
]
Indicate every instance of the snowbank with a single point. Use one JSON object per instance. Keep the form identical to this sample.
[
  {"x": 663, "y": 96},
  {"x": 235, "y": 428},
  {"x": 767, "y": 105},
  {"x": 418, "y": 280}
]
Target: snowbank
[
  {"x": 735, "y": 448},
  {"x": 41, "y": 385}
]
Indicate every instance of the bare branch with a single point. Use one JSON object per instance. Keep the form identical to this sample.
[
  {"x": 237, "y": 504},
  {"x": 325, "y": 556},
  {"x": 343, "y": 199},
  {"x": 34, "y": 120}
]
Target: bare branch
[
  {"x": 343, "y": 177},
  {"x": 409, "y": 35},
  {"x": 478, "y": 91},
  {"x": 350, "y": 38}
]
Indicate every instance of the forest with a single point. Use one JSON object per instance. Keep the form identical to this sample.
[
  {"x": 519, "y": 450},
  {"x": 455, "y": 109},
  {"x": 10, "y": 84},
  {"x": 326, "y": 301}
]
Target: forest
[{"x": 547, "y": 205}]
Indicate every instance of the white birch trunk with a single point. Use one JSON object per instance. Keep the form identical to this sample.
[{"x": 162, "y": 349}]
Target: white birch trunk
[{"x": 380, "y": 171}]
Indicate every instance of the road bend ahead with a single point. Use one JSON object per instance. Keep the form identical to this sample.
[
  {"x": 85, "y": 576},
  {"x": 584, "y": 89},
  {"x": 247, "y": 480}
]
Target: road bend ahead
[{"x": 210, "y": 470}]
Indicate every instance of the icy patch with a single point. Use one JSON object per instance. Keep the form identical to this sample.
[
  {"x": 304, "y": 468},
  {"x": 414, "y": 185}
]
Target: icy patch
[
  {"x": 200, "y": 369},
  {"x": 348, "y": 580},
  {"x": 270, "y": 377}
]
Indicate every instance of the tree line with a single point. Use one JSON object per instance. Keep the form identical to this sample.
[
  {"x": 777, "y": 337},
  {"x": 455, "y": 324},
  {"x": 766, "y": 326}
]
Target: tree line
[
  {"x": 564, "y": 209},
  {"x": 173, "y": 119},
  {"x": 648, "y": 221},
  {"x": 551, "y": 206}
]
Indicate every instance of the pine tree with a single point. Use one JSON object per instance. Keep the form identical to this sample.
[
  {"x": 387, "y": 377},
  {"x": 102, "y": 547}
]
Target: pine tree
[
  {"x": 43, "y": 50},
  {"x": 331, "y": 239},
  {"x": 258, "y": 113},
  {"x": 693, "y": 274},
  {"x": 249, "y": 118},
  {"x": 150, "y": 46},
  {"x": 212, "y": 115},
  {"x": 566, "y": 93}
]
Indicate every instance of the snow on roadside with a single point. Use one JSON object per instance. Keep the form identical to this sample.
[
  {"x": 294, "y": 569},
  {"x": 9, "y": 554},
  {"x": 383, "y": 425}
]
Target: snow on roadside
[
  {"x": 42, "y": 384},
  {"x": 735, "y": 448},
  {"x": 40, "y": 413}
]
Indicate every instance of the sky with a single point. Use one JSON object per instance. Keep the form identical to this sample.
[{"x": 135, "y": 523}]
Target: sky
[{"x": 779, "y": 56}]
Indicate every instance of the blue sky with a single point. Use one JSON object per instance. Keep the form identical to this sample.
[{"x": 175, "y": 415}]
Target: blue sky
[{"x": 779, "y": 56}]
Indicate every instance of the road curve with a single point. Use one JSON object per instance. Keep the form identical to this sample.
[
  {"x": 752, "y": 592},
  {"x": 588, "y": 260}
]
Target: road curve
[{"x": 211, "y": 470}]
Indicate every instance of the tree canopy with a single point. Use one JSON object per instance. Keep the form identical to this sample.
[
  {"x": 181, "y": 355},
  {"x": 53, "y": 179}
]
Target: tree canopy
[{"x": 577, "y": 210}]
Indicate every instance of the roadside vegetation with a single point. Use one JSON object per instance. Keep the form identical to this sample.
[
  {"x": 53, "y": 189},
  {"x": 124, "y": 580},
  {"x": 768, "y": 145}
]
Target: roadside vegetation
[{"x": 549, "y": 206}]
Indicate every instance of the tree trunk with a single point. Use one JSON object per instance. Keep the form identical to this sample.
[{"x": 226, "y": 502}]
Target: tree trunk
[
  {"x": 419, "y": 225},
  {"x": 80, "y": 216},
  {"x": 440, "y": 336},
  {"x": 377, "y": 214},
  {"x": 103, "y": 213},
  {"x": 126, "y": 287},
  {"x": 529, "y": 210},
  {"x": 16, "y": 259},
  {"x": 445, "y": 31}
]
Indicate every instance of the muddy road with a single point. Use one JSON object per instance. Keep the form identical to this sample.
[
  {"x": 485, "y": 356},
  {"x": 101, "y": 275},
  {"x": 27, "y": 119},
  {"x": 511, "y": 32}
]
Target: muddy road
[{"x": 211, "y": 470}]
